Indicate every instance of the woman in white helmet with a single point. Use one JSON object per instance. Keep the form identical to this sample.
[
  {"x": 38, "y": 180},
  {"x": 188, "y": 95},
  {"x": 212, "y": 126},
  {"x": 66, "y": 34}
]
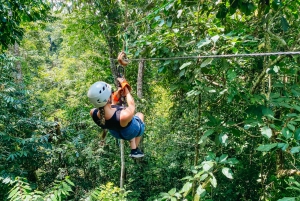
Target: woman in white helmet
[{"x": 121, "y": 122}]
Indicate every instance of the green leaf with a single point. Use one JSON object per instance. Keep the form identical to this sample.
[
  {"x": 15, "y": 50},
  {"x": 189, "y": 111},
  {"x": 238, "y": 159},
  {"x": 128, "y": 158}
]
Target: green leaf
[
  {"x": 268, "y": 112},
  {"x": 203, "y": 177},
  {"x": 172, "y": 191},
  {"x": 187, "y": 188},
  {"x": 200, "y": 191},
  {"x": 69, "y": 181},
  {"x": 179, "y": 12},
  {"x": 293, "y": 188},
  {"x": 205, "y": 135},
  {"x": 162, "y": 69},
  {"x": 211, "y": 156},
  {"x": 266, "y": 132},
  {"x": 286, "y": 133},
  {"x": 296, "y": 93},
  {"x": 287, "y": 199},
  {"x": 206, "y": 62},
  {"x": 169, "y": 22},
  {"x": 232, "y": 161},
  {"x": 181, "y": 73},
  {"x": 231, "y": 74},
  {"x": 297, "y": 134},
  {"x": 223, "y": 138},
  {"x": 297, "y": 107},
  {"x": 13, "y": 192},
  {"x": 215, "y": 38},
  {"x": 292, "y": 115},
  {"x": 207, "y": 165},
  {"x": 213, "y": 180},
  {"x": 284, "y": 23},
  {"x": 227, "y": 172},
  {"x": 203, "y": 43},
  {"x": 185, "y": 65},
  {"x": 165, "y": 195},
  {"x": 266, "y": 147},
  {"x": 209, "y": 132},
  {"x": 283, "y": 146},
  {"x": 295, "y": 150},
  {"x": 223, "y": 158},
  {"x": 161, "y": 23},
  {"x": 291, "y": 126}
]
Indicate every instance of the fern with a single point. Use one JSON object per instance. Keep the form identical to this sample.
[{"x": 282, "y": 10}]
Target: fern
[
  {"x": 23, "y": 191},
  {"x": 60, "y": 190}
]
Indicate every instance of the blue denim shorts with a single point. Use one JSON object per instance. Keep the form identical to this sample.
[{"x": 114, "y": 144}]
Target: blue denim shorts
[{"x": 135, "y": 129}]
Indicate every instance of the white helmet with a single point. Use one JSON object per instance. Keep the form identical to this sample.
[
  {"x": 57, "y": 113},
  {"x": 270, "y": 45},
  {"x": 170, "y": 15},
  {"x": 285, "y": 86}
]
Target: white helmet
[{"x": 99, "y": 94}]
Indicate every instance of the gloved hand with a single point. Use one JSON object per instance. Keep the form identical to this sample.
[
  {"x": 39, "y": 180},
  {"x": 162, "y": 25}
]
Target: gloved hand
[
  {"x": 124, "y": 84},
  {"x": 116, "y": 95}
]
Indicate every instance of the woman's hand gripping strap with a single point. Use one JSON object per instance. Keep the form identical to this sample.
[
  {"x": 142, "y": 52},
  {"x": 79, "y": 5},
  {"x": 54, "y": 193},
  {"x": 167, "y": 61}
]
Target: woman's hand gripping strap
[
  {"x": 116, "y": 96},
  {"x": 124, "y": 84}
]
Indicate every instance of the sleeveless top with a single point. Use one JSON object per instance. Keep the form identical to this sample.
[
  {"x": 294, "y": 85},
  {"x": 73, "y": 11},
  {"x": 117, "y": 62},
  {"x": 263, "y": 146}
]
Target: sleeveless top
[{"x": 114, "y": 122}]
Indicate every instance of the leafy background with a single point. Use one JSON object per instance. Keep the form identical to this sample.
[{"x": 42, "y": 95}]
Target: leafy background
[{"x": 217, "y": 128}]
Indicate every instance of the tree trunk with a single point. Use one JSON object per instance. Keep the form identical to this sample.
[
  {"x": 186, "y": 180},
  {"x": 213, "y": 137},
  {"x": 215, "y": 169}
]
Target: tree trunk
[
  {"x": 140, "y": 90},
  {"x": 197, "y": 139},
  {"x": 140, "y": 79},
  {"x": 122, "y": 177}
]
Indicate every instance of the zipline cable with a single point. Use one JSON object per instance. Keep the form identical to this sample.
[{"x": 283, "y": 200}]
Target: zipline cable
[{"x": 218, "y": 56}]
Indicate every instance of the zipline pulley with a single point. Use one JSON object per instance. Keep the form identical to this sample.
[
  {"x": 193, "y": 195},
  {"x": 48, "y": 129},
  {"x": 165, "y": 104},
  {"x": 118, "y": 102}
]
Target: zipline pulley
[{"x": 123, "y": 61}]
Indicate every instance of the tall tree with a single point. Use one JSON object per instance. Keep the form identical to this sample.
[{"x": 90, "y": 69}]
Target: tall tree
[{"x": 13, "y": 13}]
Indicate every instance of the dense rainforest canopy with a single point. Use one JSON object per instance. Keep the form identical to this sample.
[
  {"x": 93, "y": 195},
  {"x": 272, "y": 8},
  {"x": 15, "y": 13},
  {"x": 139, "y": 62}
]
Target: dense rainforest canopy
[{"x": 217, "y": 128}]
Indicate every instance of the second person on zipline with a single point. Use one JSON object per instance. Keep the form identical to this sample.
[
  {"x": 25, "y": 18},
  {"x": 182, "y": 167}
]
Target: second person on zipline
[{"x": 121, "y": 122}]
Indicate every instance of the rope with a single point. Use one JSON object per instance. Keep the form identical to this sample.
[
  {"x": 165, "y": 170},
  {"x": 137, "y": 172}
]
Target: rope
[{"x": 218, "y": 56}]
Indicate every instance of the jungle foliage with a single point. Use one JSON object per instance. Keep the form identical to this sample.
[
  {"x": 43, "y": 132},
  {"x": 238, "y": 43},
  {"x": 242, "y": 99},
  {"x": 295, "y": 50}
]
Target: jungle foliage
[{"x": 216, "y": 128}]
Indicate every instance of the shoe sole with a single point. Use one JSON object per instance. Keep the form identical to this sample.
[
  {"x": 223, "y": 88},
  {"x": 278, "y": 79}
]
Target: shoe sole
[{"x": 136, "y": 156}]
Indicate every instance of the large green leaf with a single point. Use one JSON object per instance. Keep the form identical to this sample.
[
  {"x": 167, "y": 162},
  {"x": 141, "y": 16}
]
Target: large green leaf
[
  {"x": 206, "y": 62},
  {"x": 223, "y": 158},
  {"x": 266, "y": 147},
  {"x": 172, "y": 191},
  {"x": 227, "y": 172},
  {"x": 207, "y": 165},
  {"x": 199, "y": 193},
  {"x": 284, "y": 24},
  {"x": 283, "y": 146},
  {"x": 297, "y": 134},
  {"x": 287, "y": 199},
  {"x": 231, "y": 74},
  {"x": 266, "y": 132},
  {"x": 286, "y": 133},
  {"x": 295, "y": 150},
  {"x": 203, "y": 43},
  {"x": 185, "y": 65},
  {"x": 213, "y": 180},
  {"x": 186, "y": 189},
  {"x": 267, "y": 112}
]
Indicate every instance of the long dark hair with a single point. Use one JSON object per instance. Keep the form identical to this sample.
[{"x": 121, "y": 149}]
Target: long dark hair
[
  {"x": 102, "y": 116},
  {"x": 102, "y": 113}
]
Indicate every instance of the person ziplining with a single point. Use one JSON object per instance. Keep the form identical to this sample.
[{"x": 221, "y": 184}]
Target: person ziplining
[{"x": 121, "y": 122}]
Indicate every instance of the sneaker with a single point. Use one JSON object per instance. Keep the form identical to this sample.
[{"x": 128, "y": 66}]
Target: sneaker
[{"x": 136, "y": 154}]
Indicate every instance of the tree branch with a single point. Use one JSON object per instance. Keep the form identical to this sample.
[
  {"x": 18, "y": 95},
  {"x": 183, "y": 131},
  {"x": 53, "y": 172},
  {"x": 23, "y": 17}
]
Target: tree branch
[
  {"x": 263, "y": 73},
  {"x": 284, "y": 173}
]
